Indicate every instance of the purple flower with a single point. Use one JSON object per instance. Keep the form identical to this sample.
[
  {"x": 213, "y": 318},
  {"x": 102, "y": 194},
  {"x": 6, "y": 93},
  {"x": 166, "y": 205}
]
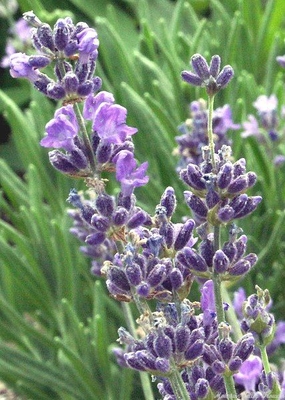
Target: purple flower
[
  {"x": 88, "y": 43},
  {"x": 281, "y": 60},
  {"x": 20, "y": 67},
  {"x": 92, "y": 103},
  {"x": 251, "y": 128},
  {"x": 249, "y": 372},
  {"x": 222, "y": 120},
  {"x": 279, "y": 160},
  {"x": 110, "y": 123},
  {"x": 265, "y": 104},
  {"x": 61, "y": 129},
  {"x": 127, "y": 174},
  {"x": 239, "y": 298}
]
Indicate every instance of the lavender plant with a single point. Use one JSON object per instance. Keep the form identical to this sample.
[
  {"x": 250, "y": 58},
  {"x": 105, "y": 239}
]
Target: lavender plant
[{"x": 149, "y": 260}]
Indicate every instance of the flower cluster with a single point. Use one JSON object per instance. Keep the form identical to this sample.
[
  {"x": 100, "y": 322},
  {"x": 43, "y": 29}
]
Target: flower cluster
[
  {"x": 219, "y": 196},
  {"x": 239, "y": 304},
  {"x": 229, "y": 262},
  {"x": 194, "y": 135},
  {"x": 208, "y": 76},
  {"x": 103, "y": 221},
  {"x": 73, "y": 50},
  {"x": 108, "y": 146},
  {"x": 257, "y": 319},
  {"x": 172, "y": 338}
]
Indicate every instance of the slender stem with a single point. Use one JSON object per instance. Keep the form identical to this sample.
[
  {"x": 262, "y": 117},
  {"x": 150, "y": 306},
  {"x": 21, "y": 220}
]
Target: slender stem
[
  {"x": 265, "y": 360},
  {"x": 230, "y": 387},
  {"x": 144, "y": 377},
  {"x": 85, "y": 137},
  {"x": 178, "y": 385},
  {"x": 210, "y": 131}
]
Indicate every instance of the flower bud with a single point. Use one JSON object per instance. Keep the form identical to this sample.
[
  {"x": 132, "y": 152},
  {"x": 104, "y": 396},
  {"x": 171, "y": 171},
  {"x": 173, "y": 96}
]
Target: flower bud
[
  {"x": 137, "y": 219},
  {"x": 182, "y": 338},
  {"x": 224, "y": 176},
  {"x": 226, "y": 213},
  {"x": 215, "y": 65},
  {"x": 200, "y": 66},
  {"x": 61, "y": 34},
  {"x": 100, "y": 223},
  {"x": 240, "y": 268},
  {"x": 85, "y": 88},
  {"x": 195, "y": 350},
  {"x": 168, "y": 200},
  {"x": 55, "y": 91},
  {"x": 78, "y": 158},
  {"x": 157, "y": 275},
  {"x": 95, "y": 238},
  {"x": 220, "y": 262},
  {"x": 62, "y": 163},
  {"x": 45, "y": 36},
  {"x": 224, "y": 76},
  {"x": 120, "y": 216},
  {"x": 39, "y": 61},
  {"x": 195, "y": 177},
  {"x": 118, "y": 277},
  {"x": 176, "y": 279},
  {"x": 196, "y": 205},
  {"x": 134, "y": 274},
  {"x": 192, "y": 260},
  {"x": 105, "y": 204},
  {"x": 184, "y": 234},
  {"x": 163, "y": 346},
  {"x": 238, "y": 185},
  {"x": 70, "y": 82}
]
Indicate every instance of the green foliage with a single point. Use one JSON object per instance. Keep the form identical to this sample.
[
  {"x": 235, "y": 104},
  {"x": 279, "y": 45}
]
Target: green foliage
[{"x": 56, "y": 321}]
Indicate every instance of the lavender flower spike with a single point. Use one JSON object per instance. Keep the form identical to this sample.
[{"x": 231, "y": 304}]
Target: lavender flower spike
[{"x": 208, "y": 76}]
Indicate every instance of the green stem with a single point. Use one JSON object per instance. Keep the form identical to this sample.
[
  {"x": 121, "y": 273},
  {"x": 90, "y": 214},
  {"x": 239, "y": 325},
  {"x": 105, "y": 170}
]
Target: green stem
[
  {"x": 85, "y": 137},
  {"x": 210, "y": 131},
  {"x": 144, "y": 376},
  {"x": 142, "y": 306},
  {"x": 265, "y": 360},
  {"x": 230, "y": 387},
  {"x": 177, "y": 385}
]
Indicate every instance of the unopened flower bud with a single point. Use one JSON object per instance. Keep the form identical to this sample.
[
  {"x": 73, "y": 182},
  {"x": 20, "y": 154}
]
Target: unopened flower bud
[
  {"x": 184, "y": 234},
  {"x": 168, "y": 200},
  {"x": 45, "y": 36},
  {"x": 105, "y": 204}
]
